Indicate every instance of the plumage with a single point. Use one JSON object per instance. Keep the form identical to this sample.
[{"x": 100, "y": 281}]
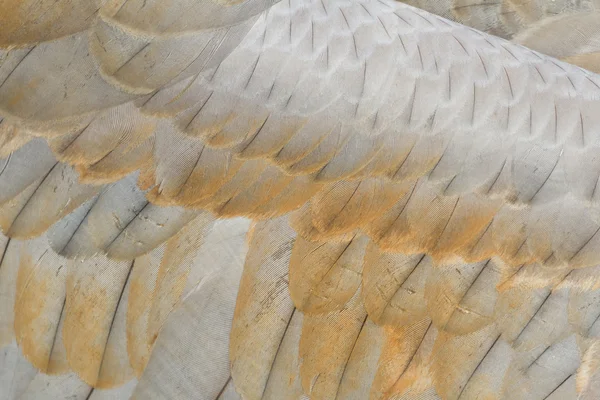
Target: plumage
[
  {"x": 325, "y": 276},
  {"x": 264, "y": 309},
  {"x": 336, "y": 199},
  {"x": 212, "y": 288}
]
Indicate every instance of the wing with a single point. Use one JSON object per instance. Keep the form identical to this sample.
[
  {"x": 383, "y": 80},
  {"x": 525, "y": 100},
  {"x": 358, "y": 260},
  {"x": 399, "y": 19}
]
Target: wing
[
  {"x": 563, "y": 29},
  {"x": 424, "y": 195}
]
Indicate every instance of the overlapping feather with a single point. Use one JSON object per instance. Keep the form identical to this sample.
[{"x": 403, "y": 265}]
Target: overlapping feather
[{"x": 450, "y": 180}]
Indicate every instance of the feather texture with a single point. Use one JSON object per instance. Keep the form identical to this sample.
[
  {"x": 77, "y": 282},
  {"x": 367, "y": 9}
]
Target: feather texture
[{"x": 424, "y": 196}]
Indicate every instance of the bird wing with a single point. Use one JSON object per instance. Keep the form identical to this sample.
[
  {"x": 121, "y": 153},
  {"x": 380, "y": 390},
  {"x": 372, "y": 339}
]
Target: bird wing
[
  {"x": 423, "y": 195},
  {"x": 562, "y": 29}
]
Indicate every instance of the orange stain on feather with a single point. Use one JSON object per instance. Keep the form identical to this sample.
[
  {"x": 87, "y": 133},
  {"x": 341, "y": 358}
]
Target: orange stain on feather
[
  {"x": 326, "y": 344},
  {"x": 139, "y": 345},
  {"x": 31, "y": 324},
  {"x": 84, "y": 332},
  {"x": 30, "y": 21},
  {"x": 406, "y": 360},
  {"x": 468, "y": 221}
]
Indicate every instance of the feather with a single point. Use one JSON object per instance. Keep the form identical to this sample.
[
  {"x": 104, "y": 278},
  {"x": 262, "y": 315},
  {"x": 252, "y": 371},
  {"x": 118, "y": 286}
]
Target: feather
[
  {"x": 394, "y": 286},
  {"x": 325, "y": 276},
  {"x": 71, "y": 85},
  {"x": 185, "y": 15},
  {"x": 118, "y": 135},
  {"x": 284, "y": 379},
  {"x": 117, "y": 164},
  {"x": 143, "y": 279},
  {"x": 96, "y": 347},
  {"x": 461, "y": 298},
  {"x": 268, "y": 185},
  {"x": 25, "y": 382},
  {"x": 93, "y": 231},
  {"x": 134, "y": 227},
  {"x": 482, "y": 15},
  {"x": 263, "y": 310},
  {"x": 344, "y": 206},
  {"x": 292, "y": 197},
  {"x": 546, "y": 373},
  {"x": 584, "y": 309},
  {"x": 405, "y": 368},
  {"x": 270, "y": 136},
  {"x": 586, "y": 379},
  {"x": 204, "y": 312},
  {"x": 249, "y": 173},
  {"x": 454, "y": 370},
  {"x": 39, "y": 302},
  {"x": 362, "y": 364},
  {"x": 444, "y": 181},
  {"x": 69, "y": 237},
  {"x": 8, "y": 287},
  {"x": 31, "y": 22},
  {"x": 23, "y": 167},
  {"x": 173, "y": 273},
  {"x": 301, "y": 221},
  {"x": 326, "y": 345},
  {"x": 123, "y": 392},
  {"x": 11, "y": 138},
  {"x": 196, "y": 174},
  {"x": 350, "y": 157},
  {"x": 589, "y": 61},
  {"x": 52, "y": 387},
  {"x": 558, "y": 37},
  {"x": 9, "y": 59},
  {"x": 35, "y": 214},
  {"x": 516, "y": 307},
  {"x": 150, "y": 227},
  {"x": 140, "y": 63},
  {"x": 541, "y": 334},
  {"x": 16, "y": 374},
  {"x": 423, "y": 221},
  {"x": 58, "y": 362}
]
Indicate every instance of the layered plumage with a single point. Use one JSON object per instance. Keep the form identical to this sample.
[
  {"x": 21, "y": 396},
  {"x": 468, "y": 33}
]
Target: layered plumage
[{"x": 423, "y": 196}]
